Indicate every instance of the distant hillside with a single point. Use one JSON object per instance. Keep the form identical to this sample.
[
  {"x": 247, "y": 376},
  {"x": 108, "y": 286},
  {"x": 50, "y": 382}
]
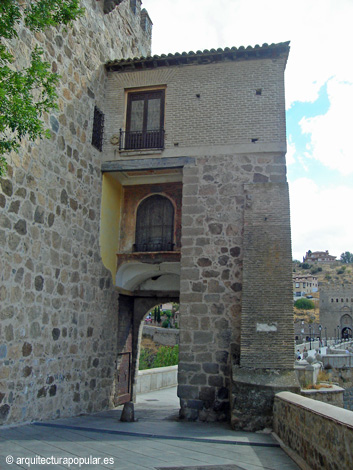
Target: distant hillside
[{"x": 333, "y": 273}]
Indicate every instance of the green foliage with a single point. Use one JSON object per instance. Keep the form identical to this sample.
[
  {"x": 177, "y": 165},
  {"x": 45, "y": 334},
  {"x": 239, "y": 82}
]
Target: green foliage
[
  {"x": 347, "y": 257},
  {"x": 146, "y": 359},
  {"x": 304, "y": 304},
  {"x": 304, "y": 265},
  {"x": 340, "y": 271},
  {"x": 165, "y": 356},
  {"x": 27, "y": 93},
  {"x": 158, "y": 315},
  {"x": 315, "y": 269},
  {"x": 166, "y": 323}
]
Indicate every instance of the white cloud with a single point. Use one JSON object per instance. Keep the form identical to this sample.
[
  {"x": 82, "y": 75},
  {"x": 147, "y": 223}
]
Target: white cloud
[
  {"x": 291, "y": 151},
  {"x": 319, "y": 32},
  {"x": 331, "y": 133},
  {"x": 320, "y": 218}
]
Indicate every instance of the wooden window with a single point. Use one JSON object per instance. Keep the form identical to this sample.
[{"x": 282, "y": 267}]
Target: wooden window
[
  {"x": 145, "y": 120},
  {"x": 155, "y": 225},
  {"x": 98, "y": 128}
]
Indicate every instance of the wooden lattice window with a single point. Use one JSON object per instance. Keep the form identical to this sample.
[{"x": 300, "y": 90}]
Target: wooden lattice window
[
  {"x": 155, "y": 225},
  {"x": 98, "y": 129}
]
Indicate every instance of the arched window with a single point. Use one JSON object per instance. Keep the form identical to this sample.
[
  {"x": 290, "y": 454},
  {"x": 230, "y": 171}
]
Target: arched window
[{"x": 155, "y": 224}]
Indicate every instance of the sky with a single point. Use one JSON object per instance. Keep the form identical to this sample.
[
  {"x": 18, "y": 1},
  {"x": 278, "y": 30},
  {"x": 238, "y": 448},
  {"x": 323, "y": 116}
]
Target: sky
[{"x": 319, "y": 96}]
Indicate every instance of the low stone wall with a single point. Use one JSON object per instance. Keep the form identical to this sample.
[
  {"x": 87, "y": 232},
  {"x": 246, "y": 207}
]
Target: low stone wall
[
  {"x": 332, "y": 395},
  {"x": 318, "y": 434},
  {"x": 155, "y": 379},
  {"x": 337, "y": 361},
  {"x": 164, "y": 336},
  {"x": 307, "y": 373},
  {"x": 343, "y": 375}
]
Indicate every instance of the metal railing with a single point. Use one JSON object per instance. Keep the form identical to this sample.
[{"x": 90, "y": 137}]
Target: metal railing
[
  {"x": 151, "y": 246},
  {"x": 134, "y": 140}
]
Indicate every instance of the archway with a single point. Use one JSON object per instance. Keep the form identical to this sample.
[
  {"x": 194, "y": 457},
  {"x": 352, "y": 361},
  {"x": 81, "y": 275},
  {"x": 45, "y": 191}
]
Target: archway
[
  {"x": 347, "y": 333},
  {"x": 132, "y": 311}
]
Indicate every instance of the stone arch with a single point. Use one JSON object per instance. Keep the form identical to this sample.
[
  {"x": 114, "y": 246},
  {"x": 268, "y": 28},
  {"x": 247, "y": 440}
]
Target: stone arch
[{"x": 346, "y": 324}]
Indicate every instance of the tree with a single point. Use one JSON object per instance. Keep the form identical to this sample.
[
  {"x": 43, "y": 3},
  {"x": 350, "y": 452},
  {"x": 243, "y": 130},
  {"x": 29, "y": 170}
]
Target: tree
[
  {"x": 347, "y": 257},
  {"x": 304, "y": 304},
  {"x": 25, "y": 94},
  {"x": 158, "y": 315}
]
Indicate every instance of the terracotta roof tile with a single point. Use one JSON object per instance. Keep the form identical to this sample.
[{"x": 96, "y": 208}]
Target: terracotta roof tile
[{"x": 199, "y": 57}]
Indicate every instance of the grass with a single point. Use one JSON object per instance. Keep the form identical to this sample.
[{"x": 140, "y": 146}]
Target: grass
[{"x": 153, "y": 355}]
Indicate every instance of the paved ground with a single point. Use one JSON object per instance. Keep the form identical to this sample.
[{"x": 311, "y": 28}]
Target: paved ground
[{"x": 156, "y": 441}]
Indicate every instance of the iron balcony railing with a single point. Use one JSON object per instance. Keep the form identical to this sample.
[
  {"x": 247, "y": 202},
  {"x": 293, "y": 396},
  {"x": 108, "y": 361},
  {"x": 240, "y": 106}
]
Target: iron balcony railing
[
  {"x": 141, "y": 139},
  {"x": 154, "y": 246}
]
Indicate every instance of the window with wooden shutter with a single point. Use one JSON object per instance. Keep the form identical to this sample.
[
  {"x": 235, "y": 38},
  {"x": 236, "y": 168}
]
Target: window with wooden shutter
[
  {"x": 144, "y": 121},
  {"x": 98, "y": 128},
  {"x": 155, "y": 225}
]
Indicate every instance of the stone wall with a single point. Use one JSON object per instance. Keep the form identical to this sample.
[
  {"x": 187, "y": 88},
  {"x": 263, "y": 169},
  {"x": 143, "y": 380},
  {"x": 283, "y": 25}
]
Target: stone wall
[
  {"x": 319, "y": 434},
  {"x": 58, "y": 330},
  {"x": 343, "y": 375},
  {"x": 164, "y": 336},
  {"x": 332, "y": 395}
]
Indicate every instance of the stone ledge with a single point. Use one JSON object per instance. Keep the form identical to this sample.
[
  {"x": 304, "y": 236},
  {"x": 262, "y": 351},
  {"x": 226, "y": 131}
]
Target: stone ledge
[
  {"x": 325, "y": 410},
  {"x": 156, "y": 379}
]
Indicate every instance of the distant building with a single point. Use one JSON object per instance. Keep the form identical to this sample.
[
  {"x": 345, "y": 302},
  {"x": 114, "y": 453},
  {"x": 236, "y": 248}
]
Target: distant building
[
  {"x": 303, "y": 331},
  {"x": 304, "y": 284},
  {"x": 318, "y": 257},
  {"x": 336, "y": 310}
]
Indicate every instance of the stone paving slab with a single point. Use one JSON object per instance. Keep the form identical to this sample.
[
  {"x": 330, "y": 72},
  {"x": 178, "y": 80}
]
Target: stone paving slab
[{"x": 156, "y": 444}]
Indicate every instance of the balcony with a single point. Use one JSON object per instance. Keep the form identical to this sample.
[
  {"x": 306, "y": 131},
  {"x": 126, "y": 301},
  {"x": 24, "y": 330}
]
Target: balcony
[{"x": 138, "y": 140}]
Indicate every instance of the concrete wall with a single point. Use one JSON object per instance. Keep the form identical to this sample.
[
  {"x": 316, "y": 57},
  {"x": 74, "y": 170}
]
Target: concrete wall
[
  {"x": 58, "y": 314},
  {"x": 156, "y": 379},
  {"x": 321, "y": 435}
]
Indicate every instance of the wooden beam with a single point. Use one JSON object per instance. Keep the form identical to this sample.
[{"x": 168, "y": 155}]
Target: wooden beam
[{"x": 146, "y": 164}]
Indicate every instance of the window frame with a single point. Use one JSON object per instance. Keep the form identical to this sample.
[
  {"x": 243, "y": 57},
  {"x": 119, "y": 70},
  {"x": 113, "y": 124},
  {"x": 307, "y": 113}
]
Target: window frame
[
  {"x": 146, "y": 138},
  {"x": 167, "y": 236}
]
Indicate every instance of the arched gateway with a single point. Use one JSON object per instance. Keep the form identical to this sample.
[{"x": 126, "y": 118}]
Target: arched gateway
[{"x": 202, "y": 215}]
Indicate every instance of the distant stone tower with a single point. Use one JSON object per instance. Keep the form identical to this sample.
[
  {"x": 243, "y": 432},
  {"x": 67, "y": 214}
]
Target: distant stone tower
[{"x": 336, "y": 310}]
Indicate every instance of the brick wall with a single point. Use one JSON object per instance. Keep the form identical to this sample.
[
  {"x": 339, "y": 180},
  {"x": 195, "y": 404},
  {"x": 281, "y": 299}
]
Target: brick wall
[
  {"x": 227, "y": 97},
  {"x": 267, "y": 316}
]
